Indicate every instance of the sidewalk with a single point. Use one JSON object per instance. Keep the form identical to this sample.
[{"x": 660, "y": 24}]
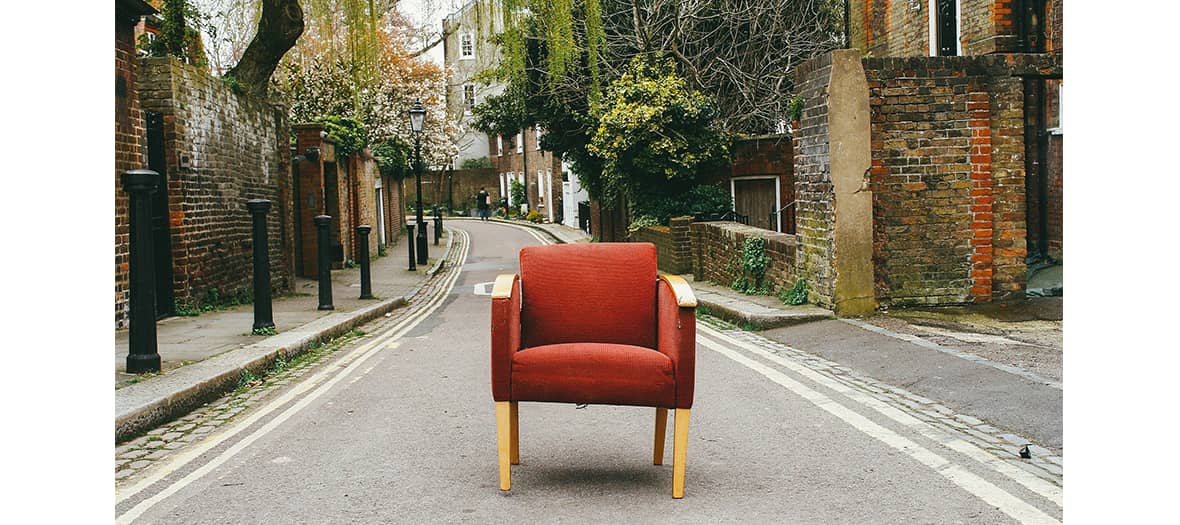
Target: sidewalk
[{"x": 203, "y": 356}]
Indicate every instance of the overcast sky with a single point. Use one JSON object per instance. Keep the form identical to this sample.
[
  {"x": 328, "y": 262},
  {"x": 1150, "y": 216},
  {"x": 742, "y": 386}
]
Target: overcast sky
[{"x": 429, "y": 13}]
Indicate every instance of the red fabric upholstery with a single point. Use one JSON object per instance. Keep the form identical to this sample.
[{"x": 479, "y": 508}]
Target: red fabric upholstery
[
  {"x": 678, "y": 340},
  {"x": 589, "y": 293},
  {"x": 505, "y": 340},
  {"x": 581, "y": 326},
  {"x": 600, "y": 373}
]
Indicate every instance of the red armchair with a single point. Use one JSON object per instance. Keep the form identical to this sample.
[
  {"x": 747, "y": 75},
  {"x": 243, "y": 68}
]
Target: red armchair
[{"x": 593, "y": 323}]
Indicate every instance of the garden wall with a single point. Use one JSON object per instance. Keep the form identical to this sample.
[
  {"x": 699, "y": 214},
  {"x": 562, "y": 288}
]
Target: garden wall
[
  {"x": 717, "y": 253},
  {"x": 673, "y": 244},
  {"x": 222, "y": 149}
]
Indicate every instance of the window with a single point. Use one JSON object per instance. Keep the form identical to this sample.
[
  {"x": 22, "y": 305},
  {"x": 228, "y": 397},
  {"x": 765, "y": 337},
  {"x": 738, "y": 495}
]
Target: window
[
  {"x": 499, "y": 145},
  {"x": 520, "y": 142},
  {"x": 944, "y": 28},
  {"x": 538, "y": 132},
  {"x": 468, "y": 98},
  {"x": 466, "y": 46}
]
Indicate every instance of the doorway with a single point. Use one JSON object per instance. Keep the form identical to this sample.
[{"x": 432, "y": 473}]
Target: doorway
[
  {"x": 162, "y": 239},
  {"x": 757, "y": 198}
]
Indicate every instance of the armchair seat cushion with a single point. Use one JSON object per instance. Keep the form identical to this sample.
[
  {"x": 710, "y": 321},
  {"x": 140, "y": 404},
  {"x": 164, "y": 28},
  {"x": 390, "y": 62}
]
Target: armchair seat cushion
[{"x": 599, "y": 373}]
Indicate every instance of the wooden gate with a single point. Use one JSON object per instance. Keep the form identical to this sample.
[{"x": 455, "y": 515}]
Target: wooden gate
[{"x": 756, "y": 198}]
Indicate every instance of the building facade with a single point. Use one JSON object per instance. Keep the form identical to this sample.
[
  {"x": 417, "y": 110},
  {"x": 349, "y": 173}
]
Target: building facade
[{"x": 468, "y": 50}]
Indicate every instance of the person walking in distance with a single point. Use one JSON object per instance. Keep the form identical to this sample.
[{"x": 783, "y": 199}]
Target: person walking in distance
[{"x": 482, "y": 202}]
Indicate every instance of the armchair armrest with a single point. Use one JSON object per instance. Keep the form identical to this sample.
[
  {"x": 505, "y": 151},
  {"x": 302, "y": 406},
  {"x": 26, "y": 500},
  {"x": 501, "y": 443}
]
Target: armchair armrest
[
  {"x": 681, "y": 289},
  {"x": 677, "y": 333},
  {"x": 505, "y": 333}
]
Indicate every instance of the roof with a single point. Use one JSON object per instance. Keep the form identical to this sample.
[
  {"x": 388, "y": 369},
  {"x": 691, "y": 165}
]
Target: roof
[{"x": 135, "y": 8}]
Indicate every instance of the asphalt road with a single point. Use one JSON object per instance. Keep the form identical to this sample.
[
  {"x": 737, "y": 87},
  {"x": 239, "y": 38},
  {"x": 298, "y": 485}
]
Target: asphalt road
[{"x": 400, "y": 428}]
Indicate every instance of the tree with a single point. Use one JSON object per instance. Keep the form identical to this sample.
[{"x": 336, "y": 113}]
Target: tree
[
  {"x": 279, "y": 28},
  {"x": 358, "y": 68},
  {"x": 655, "y": 136}
]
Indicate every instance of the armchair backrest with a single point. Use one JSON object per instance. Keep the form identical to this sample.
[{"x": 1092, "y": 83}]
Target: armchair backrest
[{"x": 588, "y": 293}]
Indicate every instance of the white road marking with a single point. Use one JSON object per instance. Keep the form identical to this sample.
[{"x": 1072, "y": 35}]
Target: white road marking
[
  {"x": 1014, "y": 507},
  {"x": 354, "y": 359},
  {"x": 954, "y": 352},
  {"x": 1030, "y": 481}
]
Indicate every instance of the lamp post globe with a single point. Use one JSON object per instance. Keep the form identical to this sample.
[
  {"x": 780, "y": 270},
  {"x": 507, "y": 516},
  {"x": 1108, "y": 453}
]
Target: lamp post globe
[{"x": 417, "y": 119}]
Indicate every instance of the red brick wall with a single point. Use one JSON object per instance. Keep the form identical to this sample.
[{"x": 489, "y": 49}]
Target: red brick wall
[
  {"x": 221, "y": 149},
  {"x": 813, "y": 184},
  {"x": 717, "y": 251},
  {"x": 673, "y": 244},
  {"x": 894, "y": 28},
  {"x": 130, "y": 146}
]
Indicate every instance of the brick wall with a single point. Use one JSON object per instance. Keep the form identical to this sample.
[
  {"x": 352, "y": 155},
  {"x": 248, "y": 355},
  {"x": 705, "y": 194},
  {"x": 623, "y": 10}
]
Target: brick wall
[
  {"x": 901, "y": 28},
  {"x": 717, "y": 251},
  {"x": 130, "y": 145},
  {"x": 948, "y": 179},
  {"x": 673, "y": 244},
  {"x": 221, "y": 150},
  {"x": 813, "y": 185},
  {"x": 464, "y": 184}
]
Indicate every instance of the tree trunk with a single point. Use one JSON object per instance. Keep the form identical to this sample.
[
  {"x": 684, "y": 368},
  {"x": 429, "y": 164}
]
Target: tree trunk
[{"x": 278, "y": 29}]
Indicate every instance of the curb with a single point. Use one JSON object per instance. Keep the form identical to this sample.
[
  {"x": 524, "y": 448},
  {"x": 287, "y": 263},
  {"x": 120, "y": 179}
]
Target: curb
[
  {"x": 143, "y": 406},
  {"x": 764, "y": 318}
]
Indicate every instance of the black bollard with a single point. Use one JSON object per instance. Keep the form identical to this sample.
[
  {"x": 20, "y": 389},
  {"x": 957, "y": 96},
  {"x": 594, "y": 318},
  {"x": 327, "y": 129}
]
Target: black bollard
[
  {"x": 143, "y": 354},
  {"x": 362, "y": 233},
  {"x": 263, "y": 314},
  {"x": 437, "y": 225},
  {"x": 410, "y": 244},
  {"x": 321, "y": 226},
  {"x": 421, "y": 241}
]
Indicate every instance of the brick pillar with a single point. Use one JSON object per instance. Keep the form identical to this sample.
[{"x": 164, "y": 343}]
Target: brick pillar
[
  {"x": 979, "y": 109},
  {"x": 681, "y": 244},
  {"x": 1009, "y": 228}
]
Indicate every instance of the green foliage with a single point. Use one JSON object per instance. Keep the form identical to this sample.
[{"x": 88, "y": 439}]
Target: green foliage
[
  {"x": 699, "y": 201},
  {"x": 475, "y": 163},
  {"x": 797, "y": 295},
  {"x": 516, "y": 192},
  {"x": 534, "y": 216},
  {"x": 795, "y": 108},
  {"x": 265, "y": 331},
  {"x": 350, "y": 135},
  {"x": 179, "y": 33},
  {"x": 655, "y": 134},
  {"x": 502, "y": 114},
  {"x": 642, "y": 221},
  {"x": 393, "y": 158},
  {"x": 754, "y": 263},
  {"x": 212, "y": 301}
]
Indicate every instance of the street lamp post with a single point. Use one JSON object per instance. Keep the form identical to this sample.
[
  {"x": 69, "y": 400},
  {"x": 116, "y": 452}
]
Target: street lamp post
[{"x": 417, "y": 118}]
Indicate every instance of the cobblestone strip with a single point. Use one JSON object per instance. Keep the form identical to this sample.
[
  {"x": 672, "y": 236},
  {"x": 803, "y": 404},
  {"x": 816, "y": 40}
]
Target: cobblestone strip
[
  {"x": 139, "y": 454},
  {"x": 1004, "y": 445}
]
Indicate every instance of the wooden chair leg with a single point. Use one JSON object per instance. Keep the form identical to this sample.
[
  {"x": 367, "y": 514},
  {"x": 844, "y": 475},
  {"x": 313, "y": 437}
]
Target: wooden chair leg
[
  {"x": 515, "y": 417},
  {"x": 679, "y": 452},
  {"x": 661, "y": 435},
  {"x": 503, "y": 442}
]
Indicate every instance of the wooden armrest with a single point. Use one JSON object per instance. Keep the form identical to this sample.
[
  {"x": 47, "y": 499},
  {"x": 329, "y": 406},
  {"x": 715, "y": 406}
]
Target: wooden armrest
[
  {"x": 680, "y": 289},
  {"x": 502, "y": 289}
]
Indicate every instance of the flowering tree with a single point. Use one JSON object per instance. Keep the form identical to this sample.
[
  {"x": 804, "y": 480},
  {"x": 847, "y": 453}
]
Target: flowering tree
[{"x": 371, "y": 79}]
